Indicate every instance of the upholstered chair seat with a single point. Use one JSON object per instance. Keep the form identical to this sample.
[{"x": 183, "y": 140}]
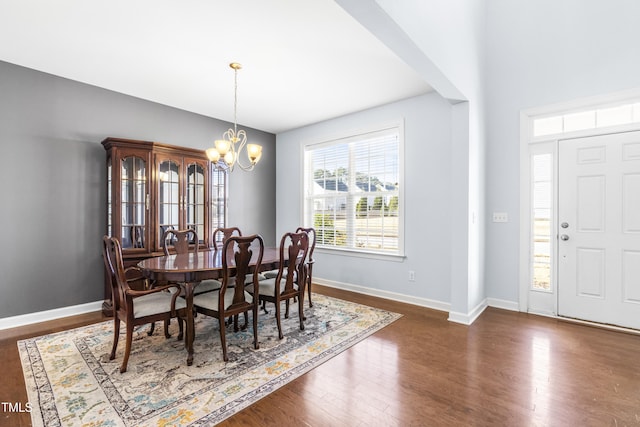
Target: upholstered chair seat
[
  {"x": 207, "y": 285},
  {"x": 210, "y": 300},
  {"x": 152, "y": 304},
  {"x": 267, "y": 286}
]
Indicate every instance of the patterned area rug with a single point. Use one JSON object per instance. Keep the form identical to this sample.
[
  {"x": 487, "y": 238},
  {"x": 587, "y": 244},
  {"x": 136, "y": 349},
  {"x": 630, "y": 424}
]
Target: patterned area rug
[{"x": 71, "y": 381}]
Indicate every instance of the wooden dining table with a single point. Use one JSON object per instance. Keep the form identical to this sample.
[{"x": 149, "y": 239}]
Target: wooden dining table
[{"x": 191, "y": 268}]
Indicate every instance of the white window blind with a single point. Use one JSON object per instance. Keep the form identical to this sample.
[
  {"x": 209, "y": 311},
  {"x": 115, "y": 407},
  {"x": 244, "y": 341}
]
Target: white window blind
[
  {"x": 353, "y": 192},
  {"x": 219, "y": 197}
]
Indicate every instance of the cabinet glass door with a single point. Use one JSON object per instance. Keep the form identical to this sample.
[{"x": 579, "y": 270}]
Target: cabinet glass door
[
  {"x": 168, "y": 197},
  {"x": 196, "y": 199},
  {"x": 133, "y": 179}
]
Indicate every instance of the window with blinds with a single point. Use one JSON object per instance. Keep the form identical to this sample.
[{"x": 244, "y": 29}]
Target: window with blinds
[
  {"x": 219, "y": 191},
  {"x": 352, "y": 192}
]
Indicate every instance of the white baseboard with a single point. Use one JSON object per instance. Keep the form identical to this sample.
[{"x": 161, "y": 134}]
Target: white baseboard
[
  {"x": 43, "y": 316},
  {"x": 423, "y": 302},
  {"x": 463, "y": 318},
  {"x": 468, "y": 318},
  {"x": 503, "y": 304}
]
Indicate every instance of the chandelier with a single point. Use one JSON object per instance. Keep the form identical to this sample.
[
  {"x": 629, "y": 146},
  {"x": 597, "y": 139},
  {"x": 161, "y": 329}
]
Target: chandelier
[{"x": 225, "y": 154}]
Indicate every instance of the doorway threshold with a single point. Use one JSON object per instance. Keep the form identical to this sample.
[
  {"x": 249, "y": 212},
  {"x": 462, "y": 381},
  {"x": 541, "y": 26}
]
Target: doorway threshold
[{"x": 606, "y": 326}]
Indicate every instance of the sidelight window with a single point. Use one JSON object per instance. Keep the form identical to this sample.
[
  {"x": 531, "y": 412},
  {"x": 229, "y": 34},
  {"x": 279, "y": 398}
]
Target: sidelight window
[{"x": 542, "y": 194}]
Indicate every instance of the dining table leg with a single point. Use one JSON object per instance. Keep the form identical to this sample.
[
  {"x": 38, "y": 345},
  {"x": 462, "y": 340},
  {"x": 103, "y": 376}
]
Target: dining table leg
[{"x": 188, "y": 342}]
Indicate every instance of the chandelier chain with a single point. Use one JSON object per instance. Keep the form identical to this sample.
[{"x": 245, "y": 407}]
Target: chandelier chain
[{"x": 235, "y": 100}]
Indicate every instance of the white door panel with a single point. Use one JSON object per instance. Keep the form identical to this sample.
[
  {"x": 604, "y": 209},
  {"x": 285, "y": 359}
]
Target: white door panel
[{"x": 599, "y": 250}]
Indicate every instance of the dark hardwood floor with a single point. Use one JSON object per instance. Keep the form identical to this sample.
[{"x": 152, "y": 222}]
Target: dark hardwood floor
[{"x": 507, "y": 369}]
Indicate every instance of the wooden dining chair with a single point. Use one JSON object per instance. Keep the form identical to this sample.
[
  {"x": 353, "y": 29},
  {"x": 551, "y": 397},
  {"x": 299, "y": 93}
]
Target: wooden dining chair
[
  {"x": 312, "y": 245},
  {"x": 181, "y": 241},
  {"x": 311, "y": 232},
  {"x": 136, "y": 307},
  {"x": 219, "y": 238},
  {"x": 290, "y": 280},
  {"x": 232, "y": 299},
  {"x": 221, "y": 235}
]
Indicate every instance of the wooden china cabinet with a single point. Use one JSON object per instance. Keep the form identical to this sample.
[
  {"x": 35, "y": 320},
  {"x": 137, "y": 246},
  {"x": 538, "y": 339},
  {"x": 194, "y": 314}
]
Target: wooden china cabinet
[{"x": 152, "y": 187}]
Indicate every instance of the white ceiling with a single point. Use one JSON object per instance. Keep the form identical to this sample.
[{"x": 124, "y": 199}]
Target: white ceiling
[{"x": 303, "y": 61}]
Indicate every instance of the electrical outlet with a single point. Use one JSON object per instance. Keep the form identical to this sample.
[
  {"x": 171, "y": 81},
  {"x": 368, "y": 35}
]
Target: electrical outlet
[
  {"x": 412, "y": 276},
  {"x": 500, "y": 217}
]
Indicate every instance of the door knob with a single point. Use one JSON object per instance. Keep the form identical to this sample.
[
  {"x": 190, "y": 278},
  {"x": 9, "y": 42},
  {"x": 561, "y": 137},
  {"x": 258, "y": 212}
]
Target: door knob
[{"x": 564, "y": 237}]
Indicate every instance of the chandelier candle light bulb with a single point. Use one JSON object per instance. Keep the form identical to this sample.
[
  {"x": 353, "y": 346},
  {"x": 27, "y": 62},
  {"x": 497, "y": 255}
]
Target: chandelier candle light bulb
[{"x": 225, "y": 153}]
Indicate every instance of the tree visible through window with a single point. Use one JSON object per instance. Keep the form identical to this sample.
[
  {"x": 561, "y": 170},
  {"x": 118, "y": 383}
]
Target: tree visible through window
[{"x": 352, "y": 195}]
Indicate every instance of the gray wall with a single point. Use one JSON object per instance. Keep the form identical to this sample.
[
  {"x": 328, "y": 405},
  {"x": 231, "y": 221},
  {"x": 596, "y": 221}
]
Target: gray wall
[
  {"x": 427, "y": 121},
  {"x": 540, "y": 53},
  {"x": 53, "y": 182}
]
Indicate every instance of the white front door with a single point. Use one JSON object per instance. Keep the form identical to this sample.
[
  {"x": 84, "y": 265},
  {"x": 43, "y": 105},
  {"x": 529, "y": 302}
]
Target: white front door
[{"x": 599, "y": 229}]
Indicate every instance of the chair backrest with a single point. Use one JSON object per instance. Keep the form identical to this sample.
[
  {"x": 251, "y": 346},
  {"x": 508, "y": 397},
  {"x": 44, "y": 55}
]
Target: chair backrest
[
  {"x": 239, "y": 266},
  {"x": 220, "y": 235},
  {"x": 312, "y": 239},
  {"x": 179, "y": 240},
  {"x": 294, "y": 249},
  {"x": 113, "y": 262},
  {"x": 137, "y": 236}
]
